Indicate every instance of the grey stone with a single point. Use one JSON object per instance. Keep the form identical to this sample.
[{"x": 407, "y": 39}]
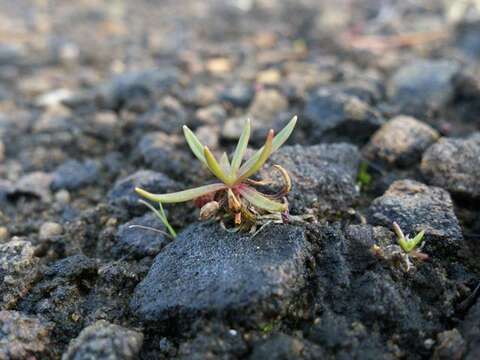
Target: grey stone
[
  {"x": 136, "y": 90},
  {"x": 49, "y": 229},
  {"x": 208, "y": 271},
  {"x": 454, "y": 164},
  {"x": 24, "y": 337},
  {"x": 168, "y": 116},
  {"x": 73, "y": 175},
  {"x": 267, "y": 104},
  {"x": 139, "y": 242},
  {"x": 415, "y": 207},
  {"x": 34, "y": 184},
  {"x": 323, "y": 176},
  {"x": 105, "y": 341},
  {"x": 400, "y": 141},
  {"x": 334, "y": 116},
  {"x": 159, "y": 152},
  {"x": 238, "y": 94},
  {"x": 123, "y": 192},
  {"x": 423, "y": 86}
]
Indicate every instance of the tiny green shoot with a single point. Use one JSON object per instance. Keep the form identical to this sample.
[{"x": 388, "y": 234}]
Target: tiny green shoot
[
  {"x": 161, "y": 215},
  {"x": 407, "y": 244}
]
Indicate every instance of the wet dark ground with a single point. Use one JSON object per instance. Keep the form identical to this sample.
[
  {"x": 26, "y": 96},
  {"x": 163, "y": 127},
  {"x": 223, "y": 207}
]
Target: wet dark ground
[{"x": 93, "y": 96}]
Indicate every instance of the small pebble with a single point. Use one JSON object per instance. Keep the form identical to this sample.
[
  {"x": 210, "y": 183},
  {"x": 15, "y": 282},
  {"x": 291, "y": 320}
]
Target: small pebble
[
  {"x": 49, "y": 229},
  {"x": 3, "y": 233},
  {"x": 62, "y": 196}
]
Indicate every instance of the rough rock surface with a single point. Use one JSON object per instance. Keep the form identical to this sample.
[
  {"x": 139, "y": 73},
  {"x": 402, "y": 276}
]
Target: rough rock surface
[
  {"x": 470, "y": 329},
  {"x": 334, "y": 116},
  {"x": 415, "y": 207},
  {"x": 400, "y": 141},
  {"x": 454, "y": 164},
  {"x": 103, "y": 340},
  {"x": 423, "y": 86},
  {"x": 207, "y": 270},
  {"x": 17, "y": 270},
  {"x": 323, "y": 176},
  {"x": 359, "y": 297},
  {"x": 24, "y": 337}
]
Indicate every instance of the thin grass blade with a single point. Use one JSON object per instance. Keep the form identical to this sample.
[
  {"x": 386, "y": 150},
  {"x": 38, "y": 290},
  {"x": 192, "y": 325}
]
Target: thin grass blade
[
  {"x": 180, "y": 196},
  {"x": 240, "y": 149},
  {"x": 278, "y": 141},
  {"x": 194, "y": 144},
  {"x": 261, "y": 201},
  {"x": 162, "y": 216}
]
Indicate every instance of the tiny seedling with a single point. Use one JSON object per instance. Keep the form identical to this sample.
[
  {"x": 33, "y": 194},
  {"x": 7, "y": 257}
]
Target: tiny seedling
[
  {"x": 401, "y": 254},
  {"x": 234, "y": 198},
  {"x": 407, "y": 244}
]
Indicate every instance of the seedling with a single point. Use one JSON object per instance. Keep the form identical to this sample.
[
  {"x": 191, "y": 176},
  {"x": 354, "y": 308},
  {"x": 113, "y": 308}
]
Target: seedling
[
  {"x": 401, "y": 254},
  {"x": 408, "y": 245},
  {"x": 235, "y": 197}
]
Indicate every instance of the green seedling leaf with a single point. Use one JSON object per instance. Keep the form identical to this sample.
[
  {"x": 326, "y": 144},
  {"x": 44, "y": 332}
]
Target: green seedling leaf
[
  {"x": 278, "y": 141},
  {"x": 225, "y": 163},
  {"x": 417, "y": 239},
  {"x": 215, "y": 167},
  {"x": 261, "y": 201},
  {"x": 406, "y": 243},
  {"x": 162, "y": 216},
  {"x": 194, "y": 144},
  {"x": 240, "y": 149},
  {"x": 266, "y": 152},
  {"x": 181, "y": 196}
]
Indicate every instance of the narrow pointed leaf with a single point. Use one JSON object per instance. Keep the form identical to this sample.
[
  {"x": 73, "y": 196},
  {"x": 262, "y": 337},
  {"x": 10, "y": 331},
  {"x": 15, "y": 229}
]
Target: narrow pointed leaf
[
  {"x": 261, "y": 201},
  {"x": 240, "y": 149},
  {"x": 278, "y": 141},
  {"x": 266, "y": 152},
  {"x": 180, "y": 196},
  {"x": 214, "y": 166},
  {"x": 225, "y": 163},
  {"x": 162, "y": 216},
  {"x": 417, "y": 239},
  {"x": 194, "y": 144}
]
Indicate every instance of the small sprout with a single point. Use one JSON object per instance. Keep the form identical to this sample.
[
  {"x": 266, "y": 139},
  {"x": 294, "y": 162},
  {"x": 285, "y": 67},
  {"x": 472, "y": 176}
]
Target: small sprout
[
  {"x": 162, "y": 216},
  {"x": 407, "y": 244},
  {"x": 234, "y": 198},
  {"x": 400, "y": 255}
]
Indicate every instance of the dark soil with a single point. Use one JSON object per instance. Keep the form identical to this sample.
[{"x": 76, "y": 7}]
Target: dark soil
[{"x": 93, "y": 97}]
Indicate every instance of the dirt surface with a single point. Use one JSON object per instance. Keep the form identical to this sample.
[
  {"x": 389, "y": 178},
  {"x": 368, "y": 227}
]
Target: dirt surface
[{"x": 93, "y": 96}]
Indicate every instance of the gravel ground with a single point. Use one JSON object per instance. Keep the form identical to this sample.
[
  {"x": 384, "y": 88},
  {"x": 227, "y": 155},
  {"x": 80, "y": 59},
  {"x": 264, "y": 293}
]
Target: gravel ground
[{"x": 93, "y": 96}]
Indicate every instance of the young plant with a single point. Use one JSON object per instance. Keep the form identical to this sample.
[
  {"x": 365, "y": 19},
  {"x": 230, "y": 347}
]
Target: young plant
[
  {"x": 408, "y": 245},
  {"x": 235, "y": 196}
]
